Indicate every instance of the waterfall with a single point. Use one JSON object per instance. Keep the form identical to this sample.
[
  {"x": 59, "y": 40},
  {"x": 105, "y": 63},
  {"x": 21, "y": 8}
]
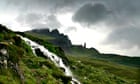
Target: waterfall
[{"x": 56, "y": 59}]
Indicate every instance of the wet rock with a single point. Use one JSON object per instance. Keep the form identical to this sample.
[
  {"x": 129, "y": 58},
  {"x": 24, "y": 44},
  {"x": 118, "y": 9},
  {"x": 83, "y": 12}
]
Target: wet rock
[
  {"x": 73, "y": 67},
  {"x": 63, "y": 69},
  {"x": 3, "y": 52},
  {"x": 19, "y": 72},
  {"x": 39, "y": 53},
  {"x": 3, "y": 56},
  {"x": 5, "y": 63}
]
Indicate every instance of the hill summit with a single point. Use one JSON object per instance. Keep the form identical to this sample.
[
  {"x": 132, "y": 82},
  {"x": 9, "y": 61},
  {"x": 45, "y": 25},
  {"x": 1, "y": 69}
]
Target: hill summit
[{"x": 59, "y": 38}]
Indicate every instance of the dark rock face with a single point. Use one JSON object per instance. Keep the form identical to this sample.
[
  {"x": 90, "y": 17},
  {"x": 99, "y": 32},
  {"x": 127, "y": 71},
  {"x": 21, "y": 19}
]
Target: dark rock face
[
  {"x": 17, "y": 40},
  {"x": 62, "y": 69},
  {"x": 39, "y": 53},
  {"x": 60, "y": 40}
]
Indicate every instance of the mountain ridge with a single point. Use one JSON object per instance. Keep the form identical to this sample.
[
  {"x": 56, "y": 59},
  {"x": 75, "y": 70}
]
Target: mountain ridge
[{"x": 80, "y": 50}]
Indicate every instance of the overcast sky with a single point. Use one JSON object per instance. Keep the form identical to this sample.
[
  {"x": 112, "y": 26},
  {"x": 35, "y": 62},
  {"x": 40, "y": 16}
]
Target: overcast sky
[{"x": 111, "y": 26}]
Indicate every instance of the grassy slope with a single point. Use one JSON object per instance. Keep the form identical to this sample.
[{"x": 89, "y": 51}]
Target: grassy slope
[
  {"x": 91, "y": 52},
  {"x": 44, "y": 41},
  {"x": 40, "y": 36},
  {"x": 80, "y": 51},
  {"x": 91, "y": 70},
  {"x": 36, "y": 70}
]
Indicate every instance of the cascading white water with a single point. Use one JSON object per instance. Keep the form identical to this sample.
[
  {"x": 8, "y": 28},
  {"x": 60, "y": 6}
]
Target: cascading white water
[{"x": 57, "y": 60}]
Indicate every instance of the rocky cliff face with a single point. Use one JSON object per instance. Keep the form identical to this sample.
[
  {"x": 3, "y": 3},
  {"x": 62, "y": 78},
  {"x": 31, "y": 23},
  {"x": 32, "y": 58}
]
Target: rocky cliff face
[
  {"x": 3, "y": 56},
  {"x": 60, "y": 39}
]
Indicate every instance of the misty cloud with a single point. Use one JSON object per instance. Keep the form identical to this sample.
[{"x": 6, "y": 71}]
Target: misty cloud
[
  {"x": 125, "y": 37},
  {"x": 34, "y": 20},
  {"x": 69, "y": 29},
  {"x": 52, "y": 22},
  {"x": 52, "y": 6},
  {"x": 128, "y": 7},
  {"x": 124, "y": 24},
  {"x": 91, "y": 13}
]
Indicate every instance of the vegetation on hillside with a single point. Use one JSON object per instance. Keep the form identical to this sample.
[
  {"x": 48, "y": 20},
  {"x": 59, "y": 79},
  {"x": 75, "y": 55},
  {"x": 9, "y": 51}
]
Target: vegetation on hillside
[
  {"x": 22, "y": 66},
  {"x": 90, "y": 66},
  {"x": 44, "y": 41},
  {"x": 79, "y": 50},
  {"x": 90, "y": 70}
]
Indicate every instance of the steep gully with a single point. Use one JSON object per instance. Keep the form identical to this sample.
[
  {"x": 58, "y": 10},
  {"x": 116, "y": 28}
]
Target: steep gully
[{"x": 57, "y": 60}]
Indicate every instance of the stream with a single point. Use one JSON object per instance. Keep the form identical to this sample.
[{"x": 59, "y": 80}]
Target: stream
[{"x": 53, "y": 57}]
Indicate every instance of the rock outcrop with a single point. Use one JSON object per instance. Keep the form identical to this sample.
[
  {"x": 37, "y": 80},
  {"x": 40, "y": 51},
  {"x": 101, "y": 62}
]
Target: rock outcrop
[{"x": 3, "y": 56}]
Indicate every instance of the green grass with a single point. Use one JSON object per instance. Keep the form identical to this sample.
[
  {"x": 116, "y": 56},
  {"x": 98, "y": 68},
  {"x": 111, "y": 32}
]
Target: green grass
[
  {"x": 90, "y": 70},
  {"x": 80, "y": 51},
  {"x": 53, "y": 48},
  {"x": 35, "y": 69},
  {"x": 44, "y": 37}
]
